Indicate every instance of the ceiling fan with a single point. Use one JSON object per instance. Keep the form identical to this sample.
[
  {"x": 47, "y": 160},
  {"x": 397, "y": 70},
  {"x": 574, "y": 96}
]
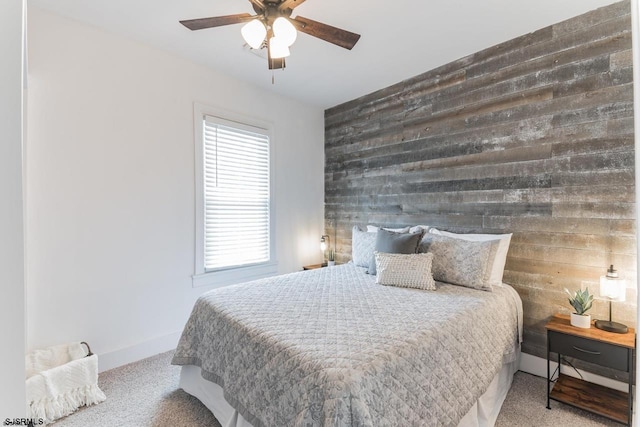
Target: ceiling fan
[{"x": 273, "y": 28}]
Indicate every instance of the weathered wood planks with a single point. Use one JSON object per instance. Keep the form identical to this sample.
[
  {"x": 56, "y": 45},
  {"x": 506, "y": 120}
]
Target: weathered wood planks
[{"x": 533, "y": 136}]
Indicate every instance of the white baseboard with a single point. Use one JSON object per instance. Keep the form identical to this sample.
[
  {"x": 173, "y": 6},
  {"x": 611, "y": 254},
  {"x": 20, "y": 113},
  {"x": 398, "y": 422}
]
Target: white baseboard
[
  {"x": 137, "y": 352},
  {"x": 538, "y": 366}
]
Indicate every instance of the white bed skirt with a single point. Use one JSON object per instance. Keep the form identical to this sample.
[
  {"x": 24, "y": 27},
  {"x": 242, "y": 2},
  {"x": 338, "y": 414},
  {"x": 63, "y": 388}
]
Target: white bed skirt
[{"x": 483, "y": 413}]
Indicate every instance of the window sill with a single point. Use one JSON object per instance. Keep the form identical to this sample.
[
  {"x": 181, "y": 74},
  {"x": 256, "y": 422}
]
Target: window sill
[{"x": 217, "y": 279}]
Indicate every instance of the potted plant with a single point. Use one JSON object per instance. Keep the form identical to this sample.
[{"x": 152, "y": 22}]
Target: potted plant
[
  {"x": 331, "y": 258},
  {"x": 581, "y": 301}
]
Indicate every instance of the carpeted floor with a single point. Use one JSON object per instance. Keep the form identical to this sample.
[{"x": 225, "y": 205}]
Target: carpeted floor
[{"x": 146, "y": 393}]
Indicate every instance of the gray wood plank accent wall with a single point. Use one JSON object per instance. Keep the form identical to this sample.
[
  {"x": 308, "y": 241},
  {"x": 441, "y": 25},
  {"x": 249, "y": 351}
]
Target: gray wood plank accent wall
[{"x": 533, "y": 137}]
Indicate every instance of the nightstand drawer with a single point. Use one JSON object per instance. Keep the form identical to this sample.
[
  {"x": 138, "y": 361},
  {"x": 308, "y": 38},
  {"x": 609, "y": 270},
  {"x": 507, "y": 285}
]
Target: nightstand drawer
[{"x": 588, "y": 350}]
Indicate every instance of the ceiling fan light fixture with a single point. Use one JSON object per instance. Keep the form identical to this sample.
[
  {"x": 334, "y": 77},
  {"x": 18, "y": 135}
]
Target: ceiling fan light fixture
[
  {"x": 273, "y": 28},
  {"x": 254, "y": 33},
  {"x": 284, "y": 30},
  {"x": 278, "y": 48}
]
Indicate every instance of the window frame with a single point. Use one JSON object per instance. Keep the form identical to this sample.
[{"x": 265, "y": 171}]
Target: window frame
[{"x": 229, "y": 275}]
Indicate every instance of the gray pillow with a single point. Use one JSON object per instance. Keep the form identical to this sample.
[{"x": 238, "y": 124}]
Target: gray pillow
[{"x": 394, "y": 243}]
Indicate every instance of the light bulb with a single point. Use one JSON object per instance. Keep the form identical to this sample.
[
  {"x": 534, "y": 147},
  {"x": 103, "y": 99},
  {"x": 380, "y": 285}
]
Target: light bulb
[
  {"x": 283, "y": 29},
  {"x": 323, "y": 245},
  {"x": 278, "y": 48},
  {"x": 254, "y": 33}
]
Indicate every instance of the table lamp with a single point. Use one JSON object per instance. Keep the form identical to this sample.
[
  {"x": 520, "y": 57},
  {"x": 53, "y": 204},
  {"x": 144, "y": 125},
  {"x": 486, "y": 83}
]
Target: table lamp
[
  {"x": 325, "y": 242},
  {"x": 614, "y": 288}
]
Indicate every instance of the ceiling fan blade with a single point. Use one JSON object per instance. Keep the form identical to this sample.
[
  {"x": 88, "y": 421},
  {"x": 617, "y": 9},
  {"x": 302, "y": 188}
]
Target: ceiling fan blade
[
  {"x": 258, "y": 3},
  {"x": 289, "y": 4},
  {"x": 218, "y": 21},
  {"x": 258, "y": 6},
  {"x": 342, "y": 38}
]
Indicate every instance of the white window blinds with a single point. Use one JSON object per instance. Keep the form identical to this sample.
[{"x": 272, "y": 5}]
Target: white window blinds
[{"x": 236, "y": 195}]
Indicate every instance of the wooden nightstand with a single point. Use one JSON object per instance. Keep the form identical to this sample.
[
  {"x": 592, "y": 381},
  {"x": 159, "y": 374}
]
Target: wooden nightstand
[
  {"x": 313, "y": 266},
  {"x": 596, "y": 346}
]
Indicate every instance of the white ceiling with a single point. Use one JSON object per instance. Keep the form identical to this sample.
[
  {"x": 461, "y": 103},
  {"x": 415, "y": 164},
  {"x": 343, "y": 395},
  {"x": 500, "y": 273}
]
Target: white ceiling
[{"x": 400, "y": 38}]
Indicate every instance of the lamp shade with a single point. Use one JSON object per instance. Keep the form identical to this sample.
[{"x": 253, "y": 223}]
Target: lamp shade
[
  {"x": 612, "y": 286},
  {"x": 254, "y": 33},
  {"x": 278, "y": 48},
  {"x": 324, "y": 242},
  {"x": 285, "y": 31}
]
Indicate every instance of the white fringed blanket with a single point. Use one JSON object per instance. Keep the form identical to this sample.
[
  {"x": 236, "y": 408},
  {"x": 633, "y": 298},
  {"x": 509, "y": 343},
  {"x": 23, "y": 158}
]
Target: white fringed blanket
[{"x": 59, "y": 380}]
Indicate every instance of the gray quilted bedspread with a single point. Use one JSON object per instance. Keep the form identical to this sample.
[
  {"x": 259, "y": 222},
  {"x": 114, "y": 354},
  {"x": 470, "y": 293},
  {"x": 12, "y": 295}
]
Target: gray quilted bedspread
[{"x": 329, "y": 347}]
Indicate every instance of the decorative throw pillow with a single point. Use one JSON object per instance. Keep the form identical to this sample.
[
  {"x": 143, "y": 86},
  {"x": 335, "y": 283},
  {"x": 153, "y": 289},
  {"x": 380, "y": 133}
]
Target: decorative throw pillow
[
  {"x": 375, "y": 228},
  {"x": 461, "y": 262},
  {"x": 499, "y": 261},
  {"x": 362, "y": 246},
  {"x": 394, "y": 243},
  {"x": 405, "y": 270}
]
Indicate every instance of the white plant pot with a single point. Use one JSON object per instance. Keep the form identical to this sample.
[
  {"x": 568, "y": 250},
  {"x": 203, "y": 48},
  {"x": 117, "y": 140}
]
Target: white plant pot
[
  {"x": 331, "y": 263},
  {"x": 581, "y": 320}
]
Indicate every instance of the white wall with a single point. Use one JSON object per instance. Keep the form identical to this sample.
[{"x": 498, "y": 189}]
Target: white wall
[
  {"x": 110, "y": 217},
  {"x": 12, "y": 317}
]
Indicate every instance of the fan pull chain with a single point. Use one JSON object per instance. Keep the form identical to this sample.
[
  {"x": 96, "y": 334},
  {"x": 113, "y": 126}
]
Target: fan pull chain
[{"x": 273, "y": 77}]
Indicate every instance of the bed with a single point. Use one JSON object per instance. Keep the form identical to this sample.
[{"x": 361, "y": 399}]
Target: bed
[{"x": 330, "y": 347}]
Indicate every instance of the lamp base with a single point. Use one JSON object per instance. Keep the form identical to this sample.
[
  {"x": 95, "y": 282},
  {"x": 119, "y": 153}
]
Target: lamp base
[{"x": 609, "y": 326}]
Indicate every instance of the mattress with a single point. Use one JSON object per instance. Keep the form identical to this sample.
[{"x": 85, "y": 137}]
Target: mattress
[{"x": 329, "y": 347}]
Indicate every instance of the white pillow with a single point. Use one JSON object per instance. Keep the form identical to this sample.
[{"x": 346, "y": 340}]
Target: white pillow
[
  {"x": 423, "y": 228},
  {"x": 461, "y": 262},
  {"x": 405, "y": 270},
  {"x": 499, "y": 261},
  {"x": 374, "y": 229},
  {"x": 362, "y": 246}
]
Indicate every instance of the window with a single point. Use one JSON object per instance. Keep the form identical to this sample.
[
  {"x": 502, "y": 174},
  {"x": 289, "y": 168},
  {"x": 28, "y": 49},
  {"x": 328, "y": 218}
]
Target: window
[
  {"x": 234, "y": 238},
  {"x": 236, "y": 195}
]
